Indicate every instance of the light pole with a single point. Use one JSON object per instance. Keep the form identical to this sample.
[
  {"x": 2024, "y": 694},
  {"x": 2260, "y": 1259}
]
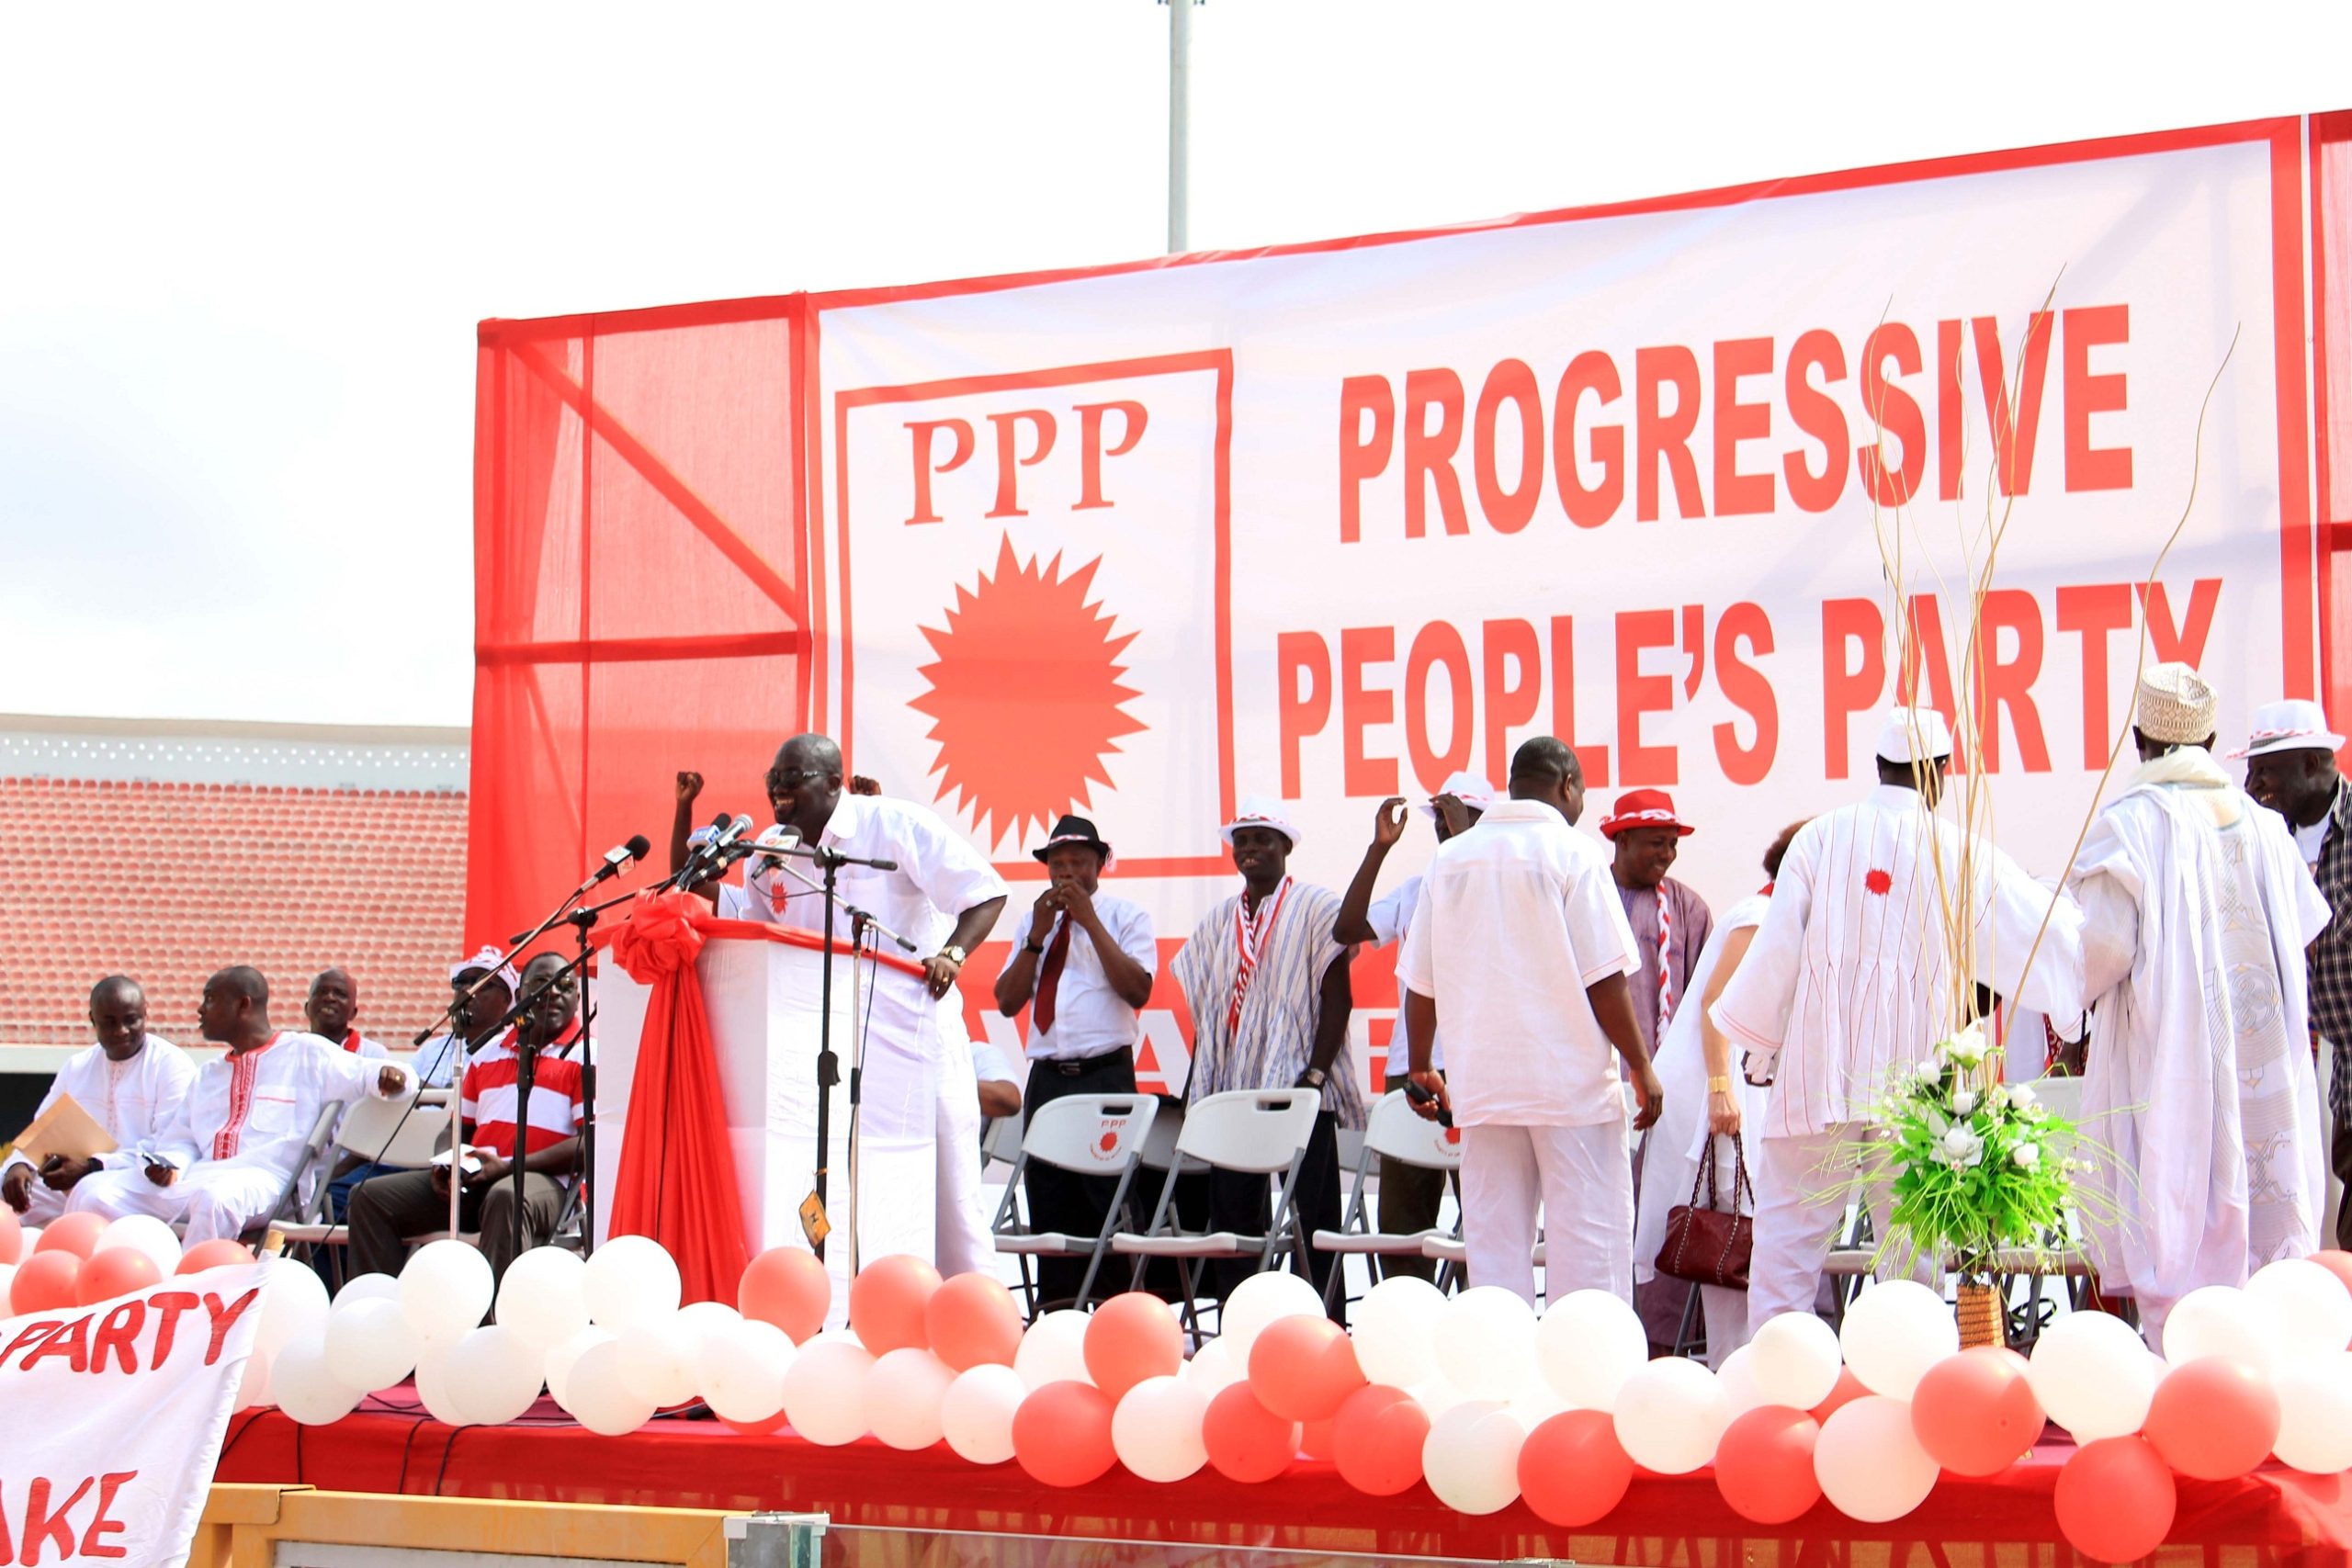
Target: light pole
[{"x": 1180, "y": 118}]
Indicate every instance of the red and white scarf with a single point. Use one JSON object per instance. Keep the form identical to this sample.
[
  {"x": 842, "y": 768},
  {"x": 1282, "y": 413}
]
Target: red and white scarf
[{"x": 1249, "y": 934}]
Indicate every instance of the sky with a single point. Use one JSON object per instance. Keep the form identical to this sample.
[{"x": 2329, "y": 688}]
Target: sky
[{"x": 242, "y": 250}]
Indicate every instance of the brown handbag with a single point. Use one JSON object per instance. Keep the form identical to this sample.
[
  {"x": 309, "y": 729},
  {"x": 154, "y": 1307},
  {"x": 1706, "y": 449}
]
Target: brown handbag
[{"x": 1706, "y": 1243}]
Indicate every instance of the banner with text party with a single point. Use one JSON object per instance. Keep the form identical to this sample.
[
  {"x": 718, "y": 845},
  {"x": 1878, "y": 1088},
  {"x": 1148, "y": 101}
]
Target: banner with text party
[
  {"x": 1330, "y": 523},
  {"x": 118, "y": 1410}
]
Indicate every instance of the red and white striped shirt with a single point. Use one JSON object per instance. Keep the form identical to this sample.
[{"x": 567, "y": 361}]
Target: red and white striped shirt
[{"x": 487, "y": 1099}]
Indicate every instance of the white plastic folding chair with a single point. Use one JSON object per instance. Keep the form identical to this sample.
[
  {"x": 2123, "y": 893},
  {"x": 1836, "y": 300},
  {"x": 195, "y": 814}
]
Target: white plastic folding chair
[
  {"x": 1394, "y": 1131},
  {"x": 382, "y": 1131},
  {"x": 1087, "y": 1135},
  {"x": 1248, "y": 1131}
]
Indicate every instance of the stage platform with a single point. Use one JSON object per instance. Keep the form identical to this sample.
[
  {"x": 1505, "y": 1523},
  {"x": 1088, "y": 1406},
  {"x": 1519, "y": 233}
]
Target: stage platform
[{"x": 2274, "y": 1518}]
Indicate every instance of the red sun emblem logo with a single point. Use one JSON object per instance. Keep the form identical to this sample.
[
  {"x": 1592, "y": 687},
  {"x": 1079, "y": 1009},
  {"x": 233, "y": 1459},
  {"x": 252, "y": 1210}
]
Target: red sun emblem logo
[
  {"x": 1107, "y": 1141},
  {"x": 1879, "y": 882},
  {"x": 1024, "y": 694}
]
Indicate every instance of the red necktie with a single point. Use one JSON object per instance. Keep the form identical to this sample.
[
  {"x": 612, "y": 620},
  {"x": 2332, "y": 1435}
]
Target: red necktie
[{"x": 1049, "y": 979}]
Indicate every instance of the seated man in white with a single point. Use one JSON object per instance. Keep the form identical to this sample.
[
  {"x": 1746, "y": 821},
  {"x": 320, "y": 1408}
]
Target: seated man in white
[
  {"x": 130, "y": 1082},
  {"x": 241, "y": 1131}
]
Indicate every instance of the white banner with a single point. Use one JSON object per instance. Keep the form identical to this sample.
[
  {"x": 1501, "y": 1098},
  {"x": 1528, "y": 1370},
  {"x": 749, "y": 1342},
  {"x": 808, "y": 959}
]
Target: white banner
[
  {"x": 1331, "y": 523},
  {"x": 116, "y": 1413}
]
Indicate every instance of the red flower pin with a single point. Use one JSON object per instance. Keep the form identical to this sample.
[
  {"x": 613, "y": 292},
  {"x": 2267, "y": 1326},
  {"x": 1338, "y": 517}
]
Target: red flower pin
[{"x": 1879, "y": 882}]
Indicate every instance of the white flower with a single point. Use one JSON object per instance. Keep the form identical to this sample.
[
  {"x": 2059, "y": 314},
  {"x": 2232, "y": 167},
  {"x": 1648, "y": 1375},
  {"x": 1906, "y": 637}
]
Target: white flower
[
  {"x": 1967, "y": 1047},
  {"x": 2025, "y": 1157},
  {"x": 1998, "y": 1098},
  {"x": 1962, "y": 1147},
  {"x": 2021, "y": 1096},
  {"x": 1963, "y": 1102}
]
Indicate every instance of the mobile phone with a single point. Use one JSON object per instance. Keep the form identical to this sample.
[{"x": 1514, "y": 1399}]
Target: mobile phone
[{"x": 1421, "y": 1096}]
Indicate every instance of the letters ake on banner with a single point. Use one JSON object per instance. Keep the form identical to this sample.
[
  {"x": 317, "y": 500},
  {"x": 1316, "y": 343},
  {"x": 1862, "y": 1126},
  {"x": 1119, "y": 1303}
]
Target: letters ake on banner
[
  {"x": 1328, "y": 523},
  {"x": 116, "y": 1413}
]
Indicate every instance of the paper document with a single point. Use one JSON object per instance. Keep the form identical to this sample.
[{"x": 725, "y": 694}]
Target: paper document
[{"x": 65, "y": 1129}]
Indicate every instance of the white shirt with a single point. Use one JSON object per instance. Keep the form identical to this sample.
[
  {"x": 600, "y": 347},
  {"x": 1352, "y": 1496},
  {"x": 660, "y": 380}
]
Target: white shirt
[
  {"x": 1390, "y": 918},
  {"x": 133, "y": 1102},
  {"x": 1090, "y": 1018},
  {"x": 257, "y": 1108},
  {"x": 940, "y": 876},
  {"x": 1517, "y": 917},
  {"x": 2311, "y": 840},
  {"x": 989, "y": 1065},
  {"x": 439, "y": 1060}
]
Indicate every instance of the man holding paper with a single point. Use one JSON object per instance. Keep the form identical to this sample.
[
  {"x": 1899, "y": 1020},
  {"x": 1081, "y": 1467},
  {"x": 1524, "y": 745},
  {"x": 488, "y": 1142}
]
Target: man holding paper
[
  {"x": 129, "y": 1086},
  {"x": 241, "y": 1131}
]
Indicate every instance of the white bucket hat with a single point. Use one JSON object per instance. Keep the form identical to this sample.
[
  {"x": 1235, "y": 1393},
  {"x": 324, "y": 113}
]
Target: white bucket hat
[
  {"x": 1261, "y": 811},
  {"x": 2297, "y": 723}
]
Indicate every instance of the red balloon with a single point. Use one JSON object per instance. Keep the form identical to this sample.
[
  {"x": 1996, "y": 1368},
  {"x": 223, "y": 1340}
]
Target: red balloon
[
  {"x": 886, "y": 1301},
  {"x": 12, "y": 1235},
  {"x": 1247, "y": 1442},
  {"x": 1315, "y": 1438},
  {"x": 1303, "y": 1368},
  {"x": 77, "y": 1233},
  {"x": 2115, "y": 1499},
  {"x": 1764, "y": 1464},
  {"x": 116, "y": 1272},
  {"x": 44, "y": 1282},
  {"x": 972, "y": 1321},
  {"x": 2213, "y": 1420},
  {"x": 757, "y": 1428},
  {"x": 218, "y": 1254},
  {"x": 1061, "y": 1434},
  {"x": 1849, "y": 1389},
  {"x": 788, "y": 1287},
  {"x": 1974, "y": 1412},
  {"x": 1376, "y": 1441},
  {"x": 1131, "y": 1337},
  {"x": 1572, "y": 1470}
]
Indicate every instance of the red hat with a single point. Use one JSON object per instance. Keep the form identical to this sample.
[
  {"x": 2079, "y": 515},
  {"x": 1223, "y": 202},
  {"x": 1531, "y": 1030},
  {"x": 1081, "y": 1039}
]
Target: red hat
[{"x": 1643, "y": 809}]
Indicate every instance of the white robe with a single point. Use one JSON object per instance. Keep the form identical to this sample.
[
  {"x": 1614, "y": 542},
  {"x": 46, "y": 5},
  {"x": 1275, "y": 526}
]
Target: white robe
[
  {"x": 133, "y": 1108},
  {"x": 2200, "y": 1080},
  {"x": 1848, "y": 979}
]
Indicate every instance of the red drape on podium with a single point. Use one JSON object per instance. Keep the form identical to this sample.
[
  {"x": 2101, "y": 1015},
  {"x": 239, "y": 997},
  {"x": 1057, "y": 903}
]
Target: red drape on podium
[{"x": 677, "y": 1182}]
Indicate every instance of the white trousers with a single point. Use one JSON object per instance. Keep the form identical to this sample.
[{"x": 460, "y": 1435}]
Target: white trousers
[
  {"x": 1726, "y": 1312},
  {"x": 217, "y": 1197},
  {"x": 961, "y": 1243},
  {"x": 1803, "y": 1184},
  {"x": 1582, "y": 1179},
  {"x": 44, "y": 1202}
]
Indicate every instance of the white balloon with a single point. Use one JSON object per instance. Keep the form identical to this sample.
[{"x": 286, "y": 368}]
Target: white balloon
[
  {"x": 144, "y": 1233},
  {"x": 253, "y": 1383},
  {"x": 560, "y": 1359},
  {"x": 2316, "y": 1414},
  {"x": 977, "y": 1414},
  {"x": 542, "y": 1296},
  {"x": 629, "y": 1280},
  {"x": 1485, "y": 1344},
  {"x": 2312, "y": 1308},
  {"x": 1894, "y": 1332},
  {"x": 1054, "y": 1350},
  {"x": 367, "y": 1287},
  {"x": 1868, "y": 1462},
  {"x": 433, "y": 1389},
  {"x": 1395, "y": 1328},
  {"x": 446, "y": 1288},
  {"x": 1436, "y": 1396},
  {"x": 1258, "y": 1301},
  {"x": 1588, "y": 1345},
  {"x": 7, "y": 1282},
  {"x": 1737, "y": 1374},
  {"x": 699, "y": 1320},
  {"x": 1795, "y": 1360},
  {"x": 2222, "y": 1320},
  {"x": 661, "y": 1361},
  {"x": 493, "y": 1375},
  {"x": 1156, "y": 1430},
  {"x": 824, "y": 1393},
  {"x": 305, "y": 1387},
  {"x": 740, "y": 1370},
  {"x": 2092, "y": 1375},
  {"x": 1210, "y": 1368},
  {"x": 1670, "y": 1415},
  {"x": 598, "y": 1396},
  {"x": 31, "y": 1243},
  {"x": 904, "y": 1391},
  {"x": 293, "y": 1307},
  {"x": 1471, "y": 1457},
  {"x": 369, "y": 1343}
]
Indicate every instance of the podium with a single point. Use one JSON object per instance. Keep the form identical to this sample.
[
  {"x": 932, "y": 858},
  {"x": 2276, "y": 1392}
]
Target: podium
[{"x": 763, "y": 987}]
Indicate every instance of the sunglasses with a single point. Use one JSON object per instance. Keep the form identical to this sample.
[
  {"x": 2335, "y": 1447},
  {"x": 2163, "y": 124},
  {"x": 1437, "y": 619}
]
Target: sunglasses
[{"x": 778, "y": 780}]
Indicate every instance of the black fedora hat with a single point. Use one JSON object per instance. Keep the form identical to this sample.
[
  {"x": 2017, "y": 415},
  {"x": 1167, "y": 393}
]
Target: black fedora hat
[{"x": 1074, "y": 830}]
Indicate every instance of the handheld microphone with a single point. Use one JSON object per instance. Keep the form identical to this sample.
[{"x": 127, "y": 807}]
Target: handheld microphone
[{"x": 619, "y": 856}]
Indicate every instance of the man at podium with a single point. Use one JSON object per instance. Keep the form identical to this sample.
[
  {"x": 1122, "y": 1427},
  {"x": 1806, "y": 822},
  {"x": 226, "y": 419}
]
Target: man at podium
[{"x": 945, "y": 897}]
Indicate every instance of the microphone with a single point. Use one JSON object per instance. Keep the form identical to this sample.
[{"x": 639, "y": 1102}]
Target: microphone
[
  {"x": 619, "y": 856},
  {"x": 715, "y": 850}
]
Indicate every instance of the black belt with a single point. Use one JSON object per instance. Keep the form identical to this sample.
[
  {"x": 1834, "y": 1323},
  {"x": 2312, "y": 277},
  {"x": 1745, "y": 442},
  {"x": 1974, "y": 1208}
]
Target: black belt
[{"x": 1072, "y": 1066}]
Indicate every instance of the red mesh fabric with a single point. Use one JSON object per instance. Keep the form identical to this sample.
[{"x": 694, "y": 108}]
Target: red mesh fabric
[
  {"x": 636, "y": 579},
  {"x": 221, "y": 874},
  {"x": 2330, "y": 172}
]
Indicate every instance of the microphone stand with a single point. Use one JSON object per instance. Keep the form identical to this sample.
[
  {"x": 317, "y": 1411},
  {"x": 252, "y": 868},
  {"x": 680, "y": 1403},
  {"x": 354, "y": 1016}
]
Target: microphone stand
[
  {"x": 526, "y": 1053},
  {"x": 582, "y": 920}
]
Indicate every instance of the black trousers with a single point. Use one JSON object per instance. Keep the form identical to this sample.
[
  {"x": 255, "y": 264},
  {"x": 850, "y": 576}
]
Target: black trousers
[
  {"x": 2340, "y": 1156},
  {"x": 1064, "y": 1200},
  {"x": 1240, "y": 1202},
  {"x": 1410, "y": 1196}
]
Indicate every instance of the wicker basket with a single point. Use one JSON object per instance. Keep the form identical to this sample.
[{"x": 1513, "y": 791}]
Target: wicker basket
[{"x": 1982, "y": 1321}]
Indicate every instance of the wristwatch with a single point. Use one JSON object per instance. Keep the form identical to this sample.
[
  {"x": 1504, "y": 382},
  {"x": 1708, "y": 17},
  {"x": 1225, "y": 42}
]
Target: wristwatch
[
  {"x": 1314, "y": 1077},
  {"x": 1032, "y": 947},
  {"x": 953, "y": 953},
  {"x": 1719, "y": 1084}
]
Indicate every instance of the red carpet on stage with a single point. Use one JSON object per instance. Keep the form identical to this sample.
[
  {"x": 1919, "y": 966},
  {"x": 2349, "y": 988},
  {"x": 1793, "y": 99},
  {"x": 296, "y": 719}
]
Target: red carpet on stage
[{"x": 2274, "y": 1518}]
